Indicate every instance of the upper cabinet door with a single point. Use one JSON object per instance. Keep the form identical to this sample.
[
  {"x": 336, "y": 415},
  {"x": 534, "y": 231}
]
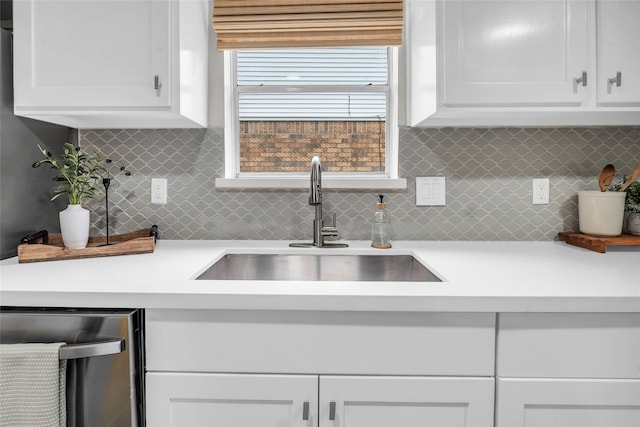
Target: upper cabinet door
[
  {"x": 103, "y": 53},
  {"x": 618, "y": 35},
  {"x": 513, "y": 53}
]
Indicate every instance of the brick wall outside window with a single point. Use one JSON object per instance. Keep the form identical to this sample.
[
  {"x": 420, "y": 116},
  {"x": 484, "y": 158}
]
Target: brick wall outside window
[{"x": 287, "y": 146}]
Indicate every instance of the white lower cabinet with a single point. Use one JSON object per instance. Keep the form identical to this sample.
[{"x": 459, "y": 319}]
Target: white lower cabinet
[
  {"x": 568, "y": 370},
  {"x": 262, "y": 368},
  {"x": 247, "y": 400},
  {"x": 231, "y": 400},
  {"x": 405, "y": 401},
  {"x": 538, "y": 402}
]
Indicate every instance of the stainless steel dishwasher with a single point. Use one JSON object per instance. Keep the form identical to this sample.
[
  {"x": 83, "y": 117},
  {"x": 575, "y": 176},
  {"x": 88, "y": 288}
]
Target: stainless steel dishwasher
[{"x": 105, "y": 359}]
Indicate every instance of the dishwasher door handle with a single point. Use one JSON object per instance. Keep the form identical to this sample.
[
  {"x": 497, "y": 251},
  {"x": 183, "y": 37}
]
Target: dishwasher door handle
[{"x": 101, "y": 348}]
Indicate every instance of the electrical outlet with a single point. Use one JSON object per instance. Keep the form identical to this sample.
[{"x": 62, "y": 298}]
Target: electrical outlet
[
  {"x": 159, "y": 191},
  {"x": 541, "y": 191}
]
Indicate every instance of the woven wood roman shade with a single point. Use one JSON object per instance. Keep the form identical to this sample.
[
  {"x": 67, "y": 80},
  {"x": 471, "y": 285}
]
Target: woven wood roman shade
[{"x": 258, "y": 24}]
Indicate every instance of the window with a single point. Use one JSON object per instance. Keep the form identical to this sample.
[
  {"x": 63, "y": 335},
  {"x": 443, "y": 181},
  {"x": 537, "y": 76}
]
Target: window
[{"x": 285, "y": 106}]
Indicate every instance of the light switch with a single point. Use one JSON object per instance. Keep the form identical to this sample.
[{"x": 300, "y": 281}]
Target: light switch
[{"x": 430, "y": 191}]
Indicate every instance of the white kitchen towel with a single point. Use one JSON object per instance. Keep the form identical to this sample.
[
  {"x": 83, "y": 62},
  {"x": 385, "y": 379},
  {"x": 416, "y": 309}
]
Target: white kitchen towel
[{"x": 32, "y": 385}]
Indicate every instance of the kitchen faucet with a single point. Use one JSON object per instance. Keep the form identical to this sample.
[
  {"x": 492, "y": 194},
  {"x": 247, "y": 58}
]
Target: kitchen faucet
[{"x": 315, "y": 199}]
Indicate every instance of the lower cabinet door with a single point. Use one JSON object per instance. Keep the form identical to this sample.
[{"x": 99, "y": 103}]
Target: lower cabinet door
[
  {"x": 227, "y": 400},
  {"x": 529, "y": 402},
  {"x": 350, "y": 401}
]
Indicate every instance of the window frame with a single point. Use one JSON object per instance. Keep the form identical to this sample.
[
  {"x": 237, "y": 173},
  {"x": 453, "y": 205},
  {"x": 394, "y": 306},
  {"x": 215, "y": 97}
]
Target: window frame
[{"x": 234, "y": 179}]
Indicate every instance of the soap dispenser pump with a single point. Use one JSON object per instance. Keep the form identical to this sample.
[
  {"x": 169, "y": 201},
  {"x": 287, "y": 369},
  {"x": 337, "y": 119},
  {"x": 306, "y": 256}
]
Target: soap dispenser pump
[{"x": 381, "y": 226}]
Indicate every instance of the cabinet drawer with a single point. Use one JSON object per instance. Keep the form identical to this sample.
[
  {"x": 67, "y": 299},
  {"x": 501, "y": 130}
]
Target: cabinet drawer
[
  {"x": 571, "y": 345},
  {"x": 320, "y": 342}
]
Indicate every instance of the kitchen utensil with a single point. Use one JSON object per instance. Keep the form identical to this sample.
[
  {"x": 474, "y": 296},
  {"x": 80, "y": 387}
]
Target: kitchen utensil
[
  {"x": 606, "y": 177},
  {"x": 629, "y": 180}
]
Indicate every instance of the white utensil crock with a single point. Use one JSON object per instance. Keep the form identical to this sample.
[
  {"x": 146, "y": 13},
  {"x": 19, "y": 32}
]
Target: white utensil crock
[
  {"x": 601, "y": 213},
  {"x": 74, "y": 227}
]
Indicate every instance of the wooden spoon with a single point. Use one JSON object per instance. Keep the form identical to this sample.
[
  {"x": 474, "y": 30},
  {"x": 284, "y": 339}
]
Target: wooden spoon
[
  {"x": 606, "y": 177},
  {"x": 629, "y": 180}
]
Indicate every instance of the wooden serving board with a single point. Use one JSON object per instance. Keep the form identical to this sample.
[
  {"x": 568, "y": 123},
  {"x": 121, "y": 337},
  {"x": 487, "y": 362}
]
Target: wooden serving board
[
  {"x": 136, "y": 242},
  {"x": 598, "y": 244}
]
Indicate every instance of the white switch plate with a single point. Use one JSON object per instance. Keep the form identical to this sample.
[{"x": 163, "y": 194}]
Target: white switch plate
[
  {"x": 541, "y": 191},
  {"x": 430, "y": 191},
  {"x": 159, "y": 191}
]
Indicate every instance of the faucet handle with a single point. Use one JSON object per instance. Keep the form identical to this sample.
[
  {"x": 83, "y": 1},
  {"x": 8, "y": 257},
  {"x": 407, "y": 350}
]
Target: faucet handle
[{"x": 331, "y": 230}]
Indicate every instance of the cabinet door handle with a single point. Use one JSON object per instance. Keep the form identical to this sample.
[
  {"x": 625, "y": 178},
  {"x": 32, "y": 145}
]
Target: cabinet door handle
[
  {"x": 156, "y": 83},
  {"x": 305, "y": 410},
  {"x": 332, "y": 411},
  {"x": 617, "y": 80},
  {"x": 581, "y": 80}
]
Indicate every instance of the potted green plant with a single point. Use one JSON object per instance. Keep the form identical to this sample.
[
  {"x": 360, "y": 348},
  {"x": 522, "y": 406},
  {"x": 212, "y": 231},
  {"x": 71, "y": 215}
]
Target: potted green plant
[
  {"x": 79, "y": 175},
  {"x": 631, "y": 205}
]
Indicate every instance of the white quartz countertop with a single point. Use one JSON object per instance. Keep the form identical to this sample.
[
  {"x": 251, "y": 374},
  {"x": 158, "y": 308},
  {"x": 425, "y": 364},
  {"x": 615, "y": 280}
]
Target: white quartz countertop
[{"x": 477, "y": 277}]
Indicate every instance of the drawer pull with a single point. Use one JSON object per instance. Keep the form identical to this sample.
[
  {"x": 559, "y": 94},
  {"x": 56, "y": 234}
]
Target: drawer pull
[
  {"x": 581, "y": 80},
  {"x": 617, "y": 80},
  {"x": 332, "y": 411},
  {"x": 305, "y": 410}
]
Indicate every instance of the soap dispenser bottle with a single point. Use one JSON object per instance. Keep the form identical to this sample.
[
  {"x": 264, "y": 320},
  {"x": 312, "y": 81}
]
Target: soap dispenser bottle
[{"x": 381, "y": 226}]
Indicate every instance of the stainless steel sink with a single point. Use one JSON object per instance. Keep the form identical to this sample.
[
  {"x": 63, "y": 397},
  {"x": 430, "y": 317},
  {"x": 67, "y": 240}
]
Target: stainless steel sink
[{"x": 383, "y": 268}]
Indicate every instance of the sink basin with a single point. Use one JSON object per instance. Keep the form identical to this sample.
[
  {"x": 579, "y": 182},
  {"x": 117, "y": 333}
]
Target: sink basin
[{"x": 377, "y": 268}]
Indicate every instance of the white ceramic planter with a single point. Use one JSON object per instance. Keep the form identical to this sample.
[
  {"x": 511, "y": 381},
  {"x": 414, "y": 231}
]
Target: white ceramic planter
[
  {"x": 74, "y": 227},
  {"x": 601, "y": 213},
  {"x": 633, "y": 224}
]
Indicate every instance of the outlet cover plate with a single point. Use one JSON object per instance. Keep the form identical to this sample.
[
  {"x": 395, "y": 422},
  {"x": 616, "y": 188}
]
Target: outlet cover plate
[
  {"x": 159, "y": 191},
  {"x": 541, "y": 191}
]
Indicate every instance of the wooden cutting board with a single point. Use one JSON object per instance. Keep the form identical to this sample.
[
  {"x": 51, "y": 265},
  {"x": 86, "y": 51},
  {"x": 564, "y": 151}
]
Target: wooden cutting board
[{"x": 598, "y": 244}]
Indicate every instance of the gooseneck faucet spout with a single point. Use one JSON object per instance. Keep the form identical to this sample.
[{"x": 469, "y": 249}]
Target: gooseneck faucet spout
[
  {"x": 315, "y": 192},
  {"x": 320, "y": 231},
  {"x": 315, "y": 199}
]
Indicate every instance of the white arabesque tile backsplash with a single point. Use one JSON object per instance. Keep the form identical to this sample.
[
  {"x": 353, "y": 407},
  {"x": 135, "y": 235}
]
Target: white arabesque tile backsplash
[{"x": 488, "y": 171}]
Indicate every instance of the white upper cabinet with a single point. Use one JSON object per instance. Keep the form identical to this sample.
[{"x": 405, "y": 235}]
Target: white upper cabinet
[
  {"x": 90, "y": 53},
  {"x": 513, "y": 53},
  {"x": 618, "y": 25},
  {"x": 112, "y": 63},
  {"x": 522, "y": 62}
]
